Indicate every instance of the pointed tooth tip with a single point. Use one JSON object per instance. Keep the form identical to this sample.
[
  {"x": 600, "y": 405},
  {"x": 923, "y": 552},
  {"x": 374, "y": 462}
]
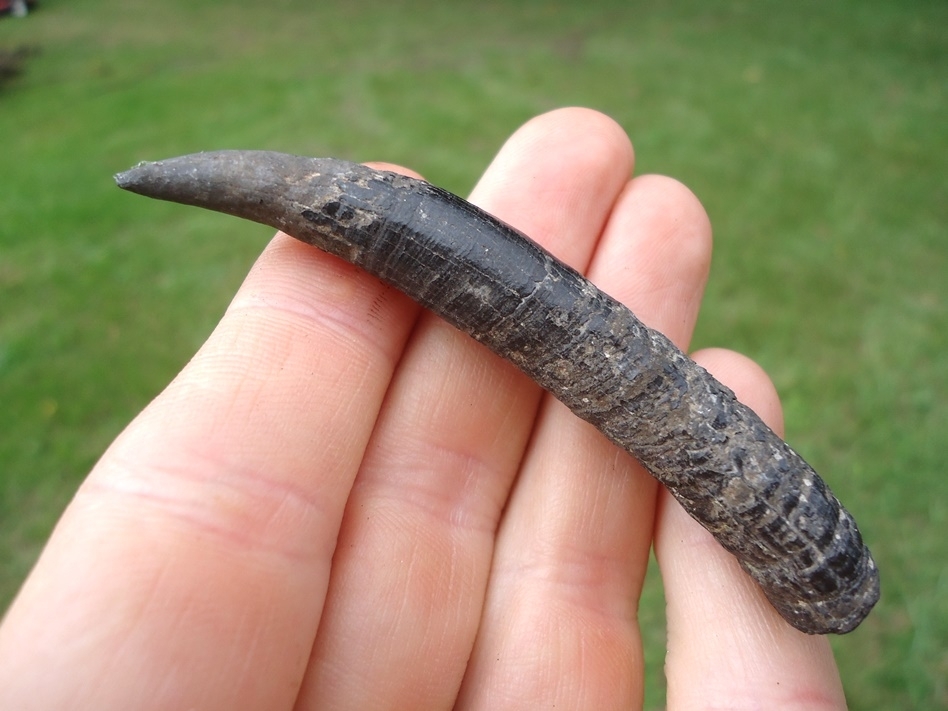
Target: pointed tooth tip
[
  {"x": 128, "y": 178},
  {"x": 137, "y": 178},
  {"x": 124, "y": 179}
]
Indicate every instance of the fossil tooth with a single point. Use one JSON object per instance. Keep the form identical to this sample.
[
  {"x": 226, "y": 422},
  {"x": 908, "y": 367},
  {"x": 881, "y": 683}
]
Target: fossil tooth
[{"x": 733, "y": 474}]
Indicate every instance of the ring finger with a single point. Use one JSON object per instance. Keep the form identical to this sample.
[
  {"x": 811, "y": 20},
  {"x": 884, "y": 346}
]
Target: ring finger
[{"x": 560, "y": 626}]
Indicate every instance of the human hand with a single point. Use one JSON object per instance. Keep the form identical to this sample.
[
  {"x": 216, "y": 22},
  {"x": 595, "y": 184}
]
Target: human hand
[{"x": 342, "y": 502}]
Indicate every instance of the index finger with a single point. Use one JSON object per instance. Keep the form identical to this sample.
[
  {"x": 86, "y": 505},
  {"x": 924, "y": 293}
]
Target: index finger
[{"x": 199, "y": 547}]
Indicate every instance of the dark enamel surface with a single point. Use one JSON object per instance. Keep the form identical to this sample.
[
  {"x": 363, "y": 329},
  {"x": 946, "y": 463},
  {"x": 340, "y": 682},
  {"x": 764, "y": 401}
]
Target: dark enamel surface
[{"x": 734, "y": 475}]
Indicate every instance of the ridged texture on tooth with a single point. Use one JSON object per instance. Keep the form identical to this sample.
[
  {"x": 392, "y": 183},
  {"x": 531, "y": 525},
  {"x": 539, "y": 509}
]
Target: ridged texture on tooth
[{"x": 733, "y": 474}]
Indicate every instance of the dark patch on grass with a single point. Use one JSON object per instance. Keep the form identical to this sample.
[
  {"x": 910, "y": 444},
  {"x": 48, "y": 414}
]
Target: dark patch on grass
[{"x": 13, "y": 60}]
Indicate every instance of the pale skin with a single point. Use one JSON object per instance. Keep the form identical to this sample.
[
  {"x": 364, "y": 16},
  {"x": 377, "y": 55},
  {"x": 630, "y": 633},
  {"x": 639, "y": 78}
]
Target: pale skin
[{"x": 342, "y": 502}]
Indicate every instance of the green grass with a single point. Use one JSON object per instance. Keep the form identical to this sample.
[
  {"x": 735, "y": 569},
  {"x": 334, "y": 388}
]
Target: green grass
[{"x": 815, "y": 134}]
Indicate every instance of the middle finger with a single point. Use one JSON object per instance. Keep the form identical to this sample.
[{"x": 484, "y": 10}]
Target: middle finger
[{"x": 414, "y": 551}]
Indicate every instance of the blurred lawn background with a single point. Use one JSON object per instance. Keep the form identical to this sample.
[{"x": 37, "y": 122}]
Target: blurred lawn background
[{"x": 815, "y": 133}]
